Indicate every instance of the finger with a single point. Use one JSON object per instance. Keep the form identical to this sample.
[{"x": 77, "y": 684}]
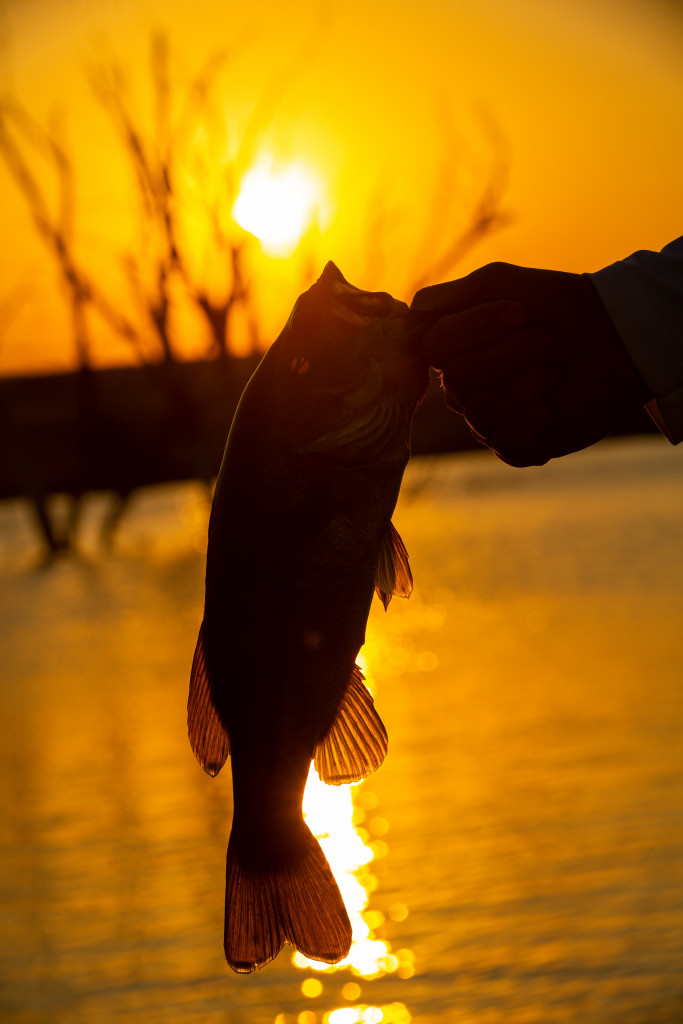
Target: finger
[
  {"x": 469, "y": 373},
  {"x": 494, "y": 280},
  {"x": 471, "y": 329},
  {"x": 488, "y": 410},
  {"x": 520, "y": 441}
]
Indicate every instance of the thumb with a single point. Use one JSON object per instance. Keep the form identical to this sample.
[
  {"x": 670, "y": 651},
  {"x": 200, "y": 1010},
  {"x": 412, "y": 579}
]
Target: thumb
[
  {"x": 494, "y": 281},
  {"x": 437, "y": 298},
  {"x": 451, "y": 297}
]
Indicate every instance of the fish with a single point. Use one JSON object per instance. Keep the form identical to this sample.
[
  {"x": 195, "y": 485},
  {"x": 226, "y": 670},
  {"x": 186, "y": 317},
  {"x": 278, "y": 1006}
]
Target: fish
[{"x": 300, "y": 539}]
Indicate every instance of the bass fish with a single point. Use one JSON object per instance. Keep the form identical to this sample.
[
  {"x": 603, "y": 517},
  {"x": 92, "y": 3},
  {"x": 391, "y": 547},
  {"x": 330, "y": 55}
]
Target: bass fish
[{"x": 300, "y": 537}]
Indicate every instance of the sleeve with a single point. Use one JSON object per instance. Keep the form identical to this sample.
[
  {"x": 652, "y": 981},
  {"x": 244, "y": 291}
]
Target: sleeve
[{"x": 643, "y": 295}]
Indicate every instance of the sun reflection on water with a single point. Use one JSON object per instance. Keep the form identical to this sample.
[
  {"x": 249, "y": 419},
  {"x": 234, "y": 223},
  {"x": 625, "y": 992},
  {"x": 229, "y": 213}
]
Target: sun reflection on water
[
  {"x": 390, "y": 1013},
  {"x": 351, "y": 832}
]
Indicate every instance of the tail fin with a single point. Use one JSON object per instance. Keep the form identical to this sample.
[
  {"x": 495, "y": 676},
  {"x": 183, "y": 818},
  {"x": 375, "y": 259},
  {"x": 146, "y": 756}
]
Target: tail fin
[{"x": 277, "y": 898}]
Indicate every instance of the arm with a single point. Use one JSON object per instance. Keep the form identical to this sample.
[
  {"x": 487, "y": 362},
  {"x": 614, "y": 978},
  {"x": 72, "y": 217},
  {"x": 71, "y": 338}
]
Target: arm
[
  {"x": 643, "y": 295},
  {"x": 559, "y": 376}
]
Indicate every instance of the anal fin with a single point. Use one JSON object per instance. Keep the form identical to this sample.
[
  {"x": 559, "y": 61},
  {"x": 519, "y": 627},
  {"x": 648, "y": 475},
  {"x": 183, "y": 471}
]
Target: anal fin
[
  {"x": 207, "y": 733},
  {"x": 355, "y": 744},
  {"x": 393, "y": 575}
]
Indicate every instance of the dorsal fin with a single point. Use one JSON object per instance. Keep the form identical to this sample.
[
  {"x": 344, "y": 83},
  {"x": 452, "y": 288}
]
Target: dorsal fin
[
  {"x": 355, "y": 744},
  {"x": 208, "y": 736},
  {"x": 393, "y": 575}
]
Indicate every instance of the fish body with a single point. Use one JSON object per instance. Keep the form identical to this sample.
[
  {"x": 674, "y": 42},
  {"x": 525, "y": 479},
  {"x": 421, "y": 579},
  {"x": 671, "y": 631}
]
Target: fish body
[{"x": 300, "y": 537}]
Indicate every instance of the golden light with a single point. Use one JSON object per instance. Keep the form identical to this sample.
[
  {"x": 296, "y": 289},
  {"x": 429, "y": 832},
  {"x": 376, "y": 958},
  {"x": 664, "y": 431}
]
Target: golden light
[
  {"x": 345, "y": 822},
  {"x": 330, "y": 814},
  {"x": 278, "y": 205},
  {"x": 394, "y": 1013}
]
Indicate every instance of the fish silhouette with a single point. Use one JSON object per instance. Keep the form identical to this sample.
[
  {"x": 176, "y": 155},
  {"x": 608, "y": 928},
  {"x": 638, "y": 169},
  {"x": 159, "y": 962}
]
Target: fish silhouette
[{"x": 300, "y": 536}]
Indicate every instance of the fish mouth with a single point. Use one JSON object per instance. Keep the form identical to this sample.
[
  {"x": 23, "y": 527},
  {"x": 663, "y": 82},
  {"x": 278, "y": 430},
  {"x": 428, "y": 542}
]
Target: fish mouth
[{"x": 406, "y": 370}]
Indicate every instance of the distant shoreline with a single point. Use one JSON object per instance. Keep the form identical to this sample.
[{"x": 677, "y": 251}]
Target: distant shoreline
[{"x": 119, "y": 429}]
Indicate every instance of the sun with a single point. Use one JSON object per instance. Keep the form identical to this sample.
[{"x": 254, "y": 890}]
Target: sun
[{"x": 278, "y": 204}]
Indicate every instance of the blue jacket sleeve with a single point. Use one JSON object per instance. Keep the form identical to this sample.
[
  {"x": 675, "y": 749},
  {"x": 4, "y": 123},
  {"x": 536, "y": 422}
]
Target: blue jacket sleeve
[{"x": 643, "y": 295}]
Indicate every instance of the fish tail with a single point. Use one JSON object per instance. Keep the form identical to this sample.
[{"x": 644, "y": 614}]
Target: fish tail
[{"x": 285, "y": 893}]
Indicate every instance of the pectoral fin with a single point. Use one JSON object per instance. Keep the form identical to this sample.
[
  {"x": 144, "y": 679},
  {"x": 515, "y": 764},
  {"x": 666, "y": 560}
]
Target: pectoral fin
[
  {"x": 207, "y": 733},
  {"x": 393, "y": 575},
  {"x": 356, "y": 741}
]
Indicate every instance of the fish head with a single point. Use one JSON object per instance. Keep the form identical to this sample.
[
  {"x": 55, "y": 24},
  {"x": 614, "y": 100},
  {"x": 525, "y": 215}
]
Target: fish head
[{"x": 347, "y": 373}]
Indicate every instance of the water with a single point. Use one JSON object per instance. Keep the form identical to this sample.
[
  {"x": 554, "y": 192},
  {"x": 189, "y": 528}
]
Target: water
[{"x": 526, "y": 829}]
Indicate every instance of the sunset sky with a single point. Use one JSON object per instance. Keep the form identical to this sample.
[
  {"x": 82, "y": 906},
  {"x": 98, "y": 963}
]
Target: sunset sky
[{"x": 388, "y": 108}]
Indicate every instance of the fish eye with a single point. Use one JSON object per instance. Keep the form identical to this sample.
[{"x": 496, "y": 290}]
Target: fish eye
[{"x": 300, "y": 365}]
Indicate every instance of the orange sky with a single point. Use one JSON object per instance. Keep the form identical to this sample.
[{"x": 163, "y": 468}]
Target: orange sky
[{"x": 380, "y": 99}]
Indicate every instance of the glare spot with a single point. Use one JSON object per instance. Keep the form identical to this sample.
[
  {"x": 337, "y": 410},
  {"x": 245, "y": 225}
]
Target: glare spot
[
  {"x": 351, "y": 991},
  {"x": 311, "y": 988},
  {"x": 398, "y": 911},
  {"x": 366, "y": 799},
  {"x": 374, "y": 919},
  {"x": 345, "y": 1015},
  {"x": 434, "y": 617},
  {"x": 378, "y": 826},
  {"x": 373, "y": 1015},
  {"x": 200, "y": 542},
  {"x": 398, "y": 1013},
  {"x": 307, "y": 1017},
  {"x": 281, "y": 1019},
  {"x": 393, "y": 1013},
  {"x": 406, "y": 963},
  {"x": 193, "y": 514},
  {"x": 427, "y": 661}
]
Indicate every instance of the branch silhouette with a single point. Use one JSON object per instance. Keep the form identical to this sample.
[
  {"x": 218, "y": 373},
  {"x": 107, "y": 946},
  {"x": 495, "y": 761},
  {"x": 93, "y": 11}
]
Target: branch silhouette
[
  {"x": 20, "y": 135},
  {"x": 487, "y": 215}
]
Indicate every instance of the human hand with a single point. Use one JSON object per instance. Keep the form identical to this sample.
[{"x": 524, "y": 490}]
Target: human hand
[{"x": 531, "y": 359}]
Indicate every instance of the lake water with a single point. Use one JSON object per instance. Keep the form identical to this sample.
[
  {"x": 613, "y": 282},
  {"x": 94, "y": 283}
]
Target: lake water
[{"x": 518, "y": 858}]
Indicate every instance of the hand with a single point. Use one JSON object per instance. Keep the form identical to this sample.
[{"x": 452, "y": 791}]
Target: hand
[{"x": 531, "y": 359}]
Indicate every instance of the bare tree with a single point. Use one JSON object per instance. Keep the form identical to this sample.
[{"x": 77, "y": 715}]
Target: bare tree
[
  {"x": 20, "y": 135},
  {"x": 160, "y": 266},
  {"x": 446, "y": 240}
]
